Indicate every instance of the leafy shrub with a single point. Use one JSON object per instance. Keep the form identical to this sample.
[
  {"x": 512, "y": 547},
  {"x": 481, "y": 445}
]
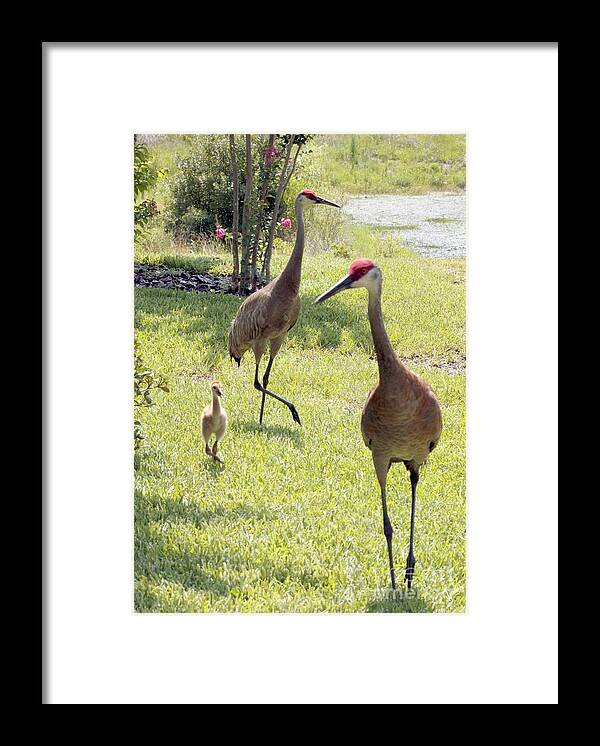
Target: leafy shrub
[
  {"x": 194, "y": 222},
  {"x": 145, "y": 177},
  {"x": 341, "y": 250},
  {"x": 280, "y": 246},
  {"x": 201, "y": 189},
  {"x": 145, "y": 173},
  {"x": 145, "y": 383},
  {"x": 142, "y": 215}
]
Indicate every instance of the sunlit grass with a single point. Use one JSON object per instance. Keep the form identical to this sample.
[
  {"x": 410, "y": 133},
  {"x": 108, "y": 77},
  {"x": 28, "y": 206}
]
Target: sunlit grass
[
  {"x": 388, "y": 164},
  {"x": 356, "y": 164},
  {"x": 292, "y": 521}
]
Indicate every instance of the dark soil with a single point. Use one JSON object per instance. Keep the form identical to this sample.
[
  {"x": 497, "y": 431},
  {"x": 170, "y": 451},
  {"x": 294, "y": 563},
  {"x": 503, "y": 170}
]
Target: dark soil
[
  {"x": 454, "y": 363},
  {"x": 153, "y": 276}
]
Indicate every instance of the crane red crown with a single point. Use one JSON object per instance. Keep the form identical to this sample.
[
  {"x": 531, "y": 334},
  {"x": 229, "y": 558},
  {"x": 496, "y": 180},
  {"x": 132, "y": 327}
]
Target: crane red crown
[
  {"x": 308, "y": 193},
  {"x": 360, "y": 267}
]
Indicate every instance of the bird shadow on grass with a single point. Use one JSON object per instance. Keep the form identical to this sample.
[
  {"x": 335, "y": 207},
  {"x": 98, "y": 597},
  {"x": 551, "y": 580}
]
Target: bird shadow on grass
[
  {"x": 211, "y": 468},
  {"x": 327, "y": 325},
  {"x": 398, "y": 602},
  {"x": 159, "y": 558},
  {"x": 277, "y": 431},
  {"x": 154, "y": 509},
  {"x": 206, "y": 317},
  {"x": 201, "y": 317}
]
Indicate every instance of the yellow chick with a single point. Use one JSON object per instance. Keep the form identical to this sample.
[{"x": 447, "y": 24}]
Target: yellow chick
[{"x": 214, "y": 421}]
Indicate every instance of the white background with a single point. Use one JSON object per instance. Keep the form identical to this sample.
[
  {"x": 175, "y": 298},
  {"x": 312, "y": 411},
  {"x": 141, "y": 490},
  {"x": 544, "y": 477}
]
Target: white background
[{"x": 504, "y": 649}]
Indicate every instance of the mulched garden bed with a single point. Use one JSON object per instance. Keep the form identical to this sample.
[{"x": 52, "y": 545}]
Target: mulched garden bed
[{"x": 154, "y": 276}]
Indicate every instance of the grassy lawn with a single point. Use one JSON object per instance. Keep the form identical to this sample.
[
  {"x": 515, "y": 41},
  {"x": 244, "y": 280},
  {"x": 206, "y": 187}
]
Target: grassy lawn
[
  {"x": 292, "y": 521},
  {"x": 390, "y": 164},
  {"x": 358, "y": 164}
]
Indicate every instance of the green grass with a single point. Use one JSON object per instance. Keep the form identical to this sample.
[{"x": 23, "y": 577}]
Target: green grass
[
  {"x": 165, "y": 153},
  {"x": 387, "y": 164},
  {"x": 340, "y": 165},
  {"x": 292, "y": 521}
]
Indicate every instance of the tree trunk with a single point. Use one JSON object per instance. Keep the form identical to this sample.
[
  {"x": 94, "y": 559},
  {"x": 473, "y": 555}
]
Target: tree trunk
[
  {"x": 261, "y": 209},
  {"x": 246, "y": 214},
  {"x": 292, "y": 169},
  {"x": 236, "y": 212},
  {"x": 280, "y": 187}
]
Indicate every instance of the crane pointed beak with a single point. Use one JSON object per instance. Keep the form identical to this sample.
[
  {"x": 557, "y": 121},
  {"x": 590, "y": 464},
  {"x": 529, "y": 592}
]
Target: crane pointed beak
[
  {"x": 343, "y": 284},
  {"x": 323, "y": 201}
]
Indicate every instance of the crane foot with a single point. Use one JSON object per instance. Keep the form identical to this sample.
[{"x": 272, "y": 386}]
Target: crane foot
[
  {"x": 295, "y": 415},
  {"x": 410, "y": 570}
]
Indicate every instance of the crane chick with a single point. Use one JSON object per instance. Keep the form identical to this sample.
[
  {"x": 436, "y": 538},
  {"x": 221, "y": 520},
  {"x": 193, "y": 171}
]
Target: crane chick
[{"x": 214, "y": 422}]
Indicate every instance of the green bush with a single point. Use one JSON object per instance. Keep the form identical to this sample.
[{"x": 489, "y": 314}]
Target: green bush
[
  {"x": 201, "y": 189},
  {"x": 145, "y": 383},
  {"x": 145, "y": 173},
  {"x": 194, "y": 222},
  {"x": 341, "y": 250},
  {"x": 145, "y": 176}
]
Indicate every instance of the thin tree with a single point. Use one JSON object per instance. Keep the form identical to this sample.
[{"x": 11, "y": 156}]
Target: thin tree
[
  {"x": 261, "y": 205},
  {"x": 246, "y": 213},
  {"x": 236, "y": 211},
  {"x": 284, "y": 180},
  {"x": 266, "y": 268}
]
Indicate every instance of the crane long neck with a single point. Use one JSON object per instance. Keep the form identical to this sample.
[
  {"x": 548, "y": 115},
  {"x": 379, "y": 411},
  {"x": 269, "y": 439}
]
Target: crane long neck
[
  {"x": 216, "y": 403},
  {"x": 293, "y": 268},
  {"x": 387, "y": 359}
]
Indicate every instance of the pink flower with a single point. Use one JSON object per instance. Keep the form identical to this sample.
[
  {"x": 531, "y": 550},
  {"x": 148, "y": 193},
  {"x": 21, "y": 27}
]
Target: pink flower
[
  {"x": 220, "y": 233},
  {"x": 286, "y": 223},
  {"x": 271, "y": 154}
]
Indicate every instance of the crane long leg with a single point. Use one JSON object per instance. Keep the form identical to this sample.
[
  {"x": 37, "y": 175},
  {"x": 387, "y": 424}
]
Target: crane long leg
[
  {"x": 381, "y": 462},
  {"x": 410, "y": 560},
  {"x": 265, "y": 384},
  {"x": 389, "y": 532},
  {"x": 264, "y": 390}
]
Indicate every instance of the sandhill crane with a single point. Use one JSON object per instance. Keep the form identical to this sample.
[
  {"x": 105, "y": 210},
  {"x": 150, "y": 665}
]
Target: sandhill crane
[
  {"x": 401, "y": 419},
  {"x": 266, "y": 316},
  {"x": 214, "y": 421}
]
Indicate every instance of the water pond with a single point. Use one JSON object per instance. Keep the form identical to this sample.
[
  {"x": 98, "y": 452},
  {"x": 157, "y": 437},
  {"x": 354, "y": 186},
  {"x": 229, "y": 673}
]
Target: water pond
[{"x": 434, "y": 225}]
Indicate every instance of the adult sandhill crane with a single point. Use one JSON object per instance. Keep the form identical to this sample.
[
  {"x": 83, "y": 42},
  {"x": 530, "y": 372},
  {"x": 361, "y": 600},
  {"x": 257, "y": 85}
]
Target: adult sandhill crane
[
  {"x": 401, "y": 420},
  {"x": 266, "y": 316}
]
